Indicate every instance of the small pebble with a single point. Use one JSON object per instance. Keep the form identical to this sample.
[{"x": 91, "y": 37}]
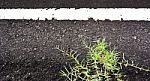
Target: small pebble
[{"x": 134, "y": 37}]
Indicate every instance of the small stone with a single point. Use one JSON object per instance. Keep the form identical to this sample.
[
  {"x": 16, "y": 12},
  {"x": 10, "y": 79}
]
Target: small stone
[
  {"x": 34, "y": 48},
  {"x": 17, "y": 35},
  {"x": 7, "y": 76},
  {"x": 134, "y": 37},
  {"x": 85, "y": 30},
  {"x": 43, "y": 57},
  {"x": 23, "y": 39}
]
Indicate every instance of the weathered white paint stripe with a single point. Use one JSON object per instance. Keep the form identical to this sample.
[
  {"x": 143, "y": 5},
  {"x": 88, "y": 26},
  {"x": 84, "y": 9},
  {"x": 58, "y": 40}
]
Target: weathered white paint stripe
[{"x": 77, "y": 14}]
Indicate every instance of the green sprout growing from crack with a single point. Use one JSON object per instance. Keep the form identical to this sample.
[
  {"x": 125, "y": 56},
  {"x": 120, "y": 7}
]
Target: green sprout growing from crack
[{"x": 100, "y": 64}]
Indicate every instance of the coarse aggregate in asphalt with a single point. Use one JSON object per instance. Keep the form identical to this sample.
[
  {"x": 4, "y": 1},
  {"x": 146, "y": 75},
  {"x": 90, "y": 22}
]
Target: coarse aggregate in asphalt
[
  {"x": 74, "y": 4},
  {"x": 27, "y": 47}
]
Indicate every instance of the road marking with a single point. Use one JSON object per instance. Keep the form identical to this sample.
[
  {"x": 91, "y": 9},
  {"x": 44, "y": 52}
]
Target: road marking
[{"x": 77, "y": 14}]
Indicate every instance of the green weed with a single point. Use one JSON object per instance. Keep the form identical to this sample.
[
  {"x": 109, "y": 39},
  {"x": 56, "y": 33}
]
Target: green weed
[{"x": 100, "y": 64}]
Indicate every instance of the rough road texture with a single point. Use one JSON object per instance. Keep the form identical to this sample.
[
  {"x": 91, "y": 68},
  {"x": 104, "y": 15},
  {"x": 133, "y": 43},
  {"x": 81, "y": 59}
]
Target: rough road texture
[
  {"x": 27, "y": 48},
  {"x": 74, "y": 3}
]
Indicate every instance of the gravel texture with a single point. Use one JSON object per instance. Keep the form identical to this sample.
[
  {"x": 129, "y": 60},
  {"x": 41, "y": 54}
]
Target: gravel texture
[
  {"x": 74, "y": 3},
  {"x": 27, "y": 47}
]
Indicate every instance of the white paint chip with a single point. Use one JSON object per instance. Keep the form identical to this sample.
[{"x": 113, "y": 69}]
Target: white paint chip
[{"x": 77, "y": 14}]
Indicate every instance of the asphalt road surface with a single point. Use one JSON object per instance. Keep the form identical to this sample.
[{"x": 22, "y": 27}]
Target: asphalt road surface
[
  {"x": 74, "y": 3},
  {"x": 27, "y": 47}
]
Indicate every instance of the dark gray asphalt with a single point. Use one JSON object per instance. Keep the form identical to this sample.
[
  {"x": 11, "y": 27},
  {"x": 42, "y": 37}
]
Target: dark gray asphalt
[
  {"x": 74, "y": 3},
  {"x": 27, "y": 47}
]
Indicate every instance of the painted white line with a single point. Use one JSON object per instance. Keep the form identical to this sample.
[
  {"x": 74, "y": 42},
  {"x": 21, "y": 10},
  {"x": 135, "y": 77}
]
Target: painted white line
[{"x": 77, "y": 14}]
